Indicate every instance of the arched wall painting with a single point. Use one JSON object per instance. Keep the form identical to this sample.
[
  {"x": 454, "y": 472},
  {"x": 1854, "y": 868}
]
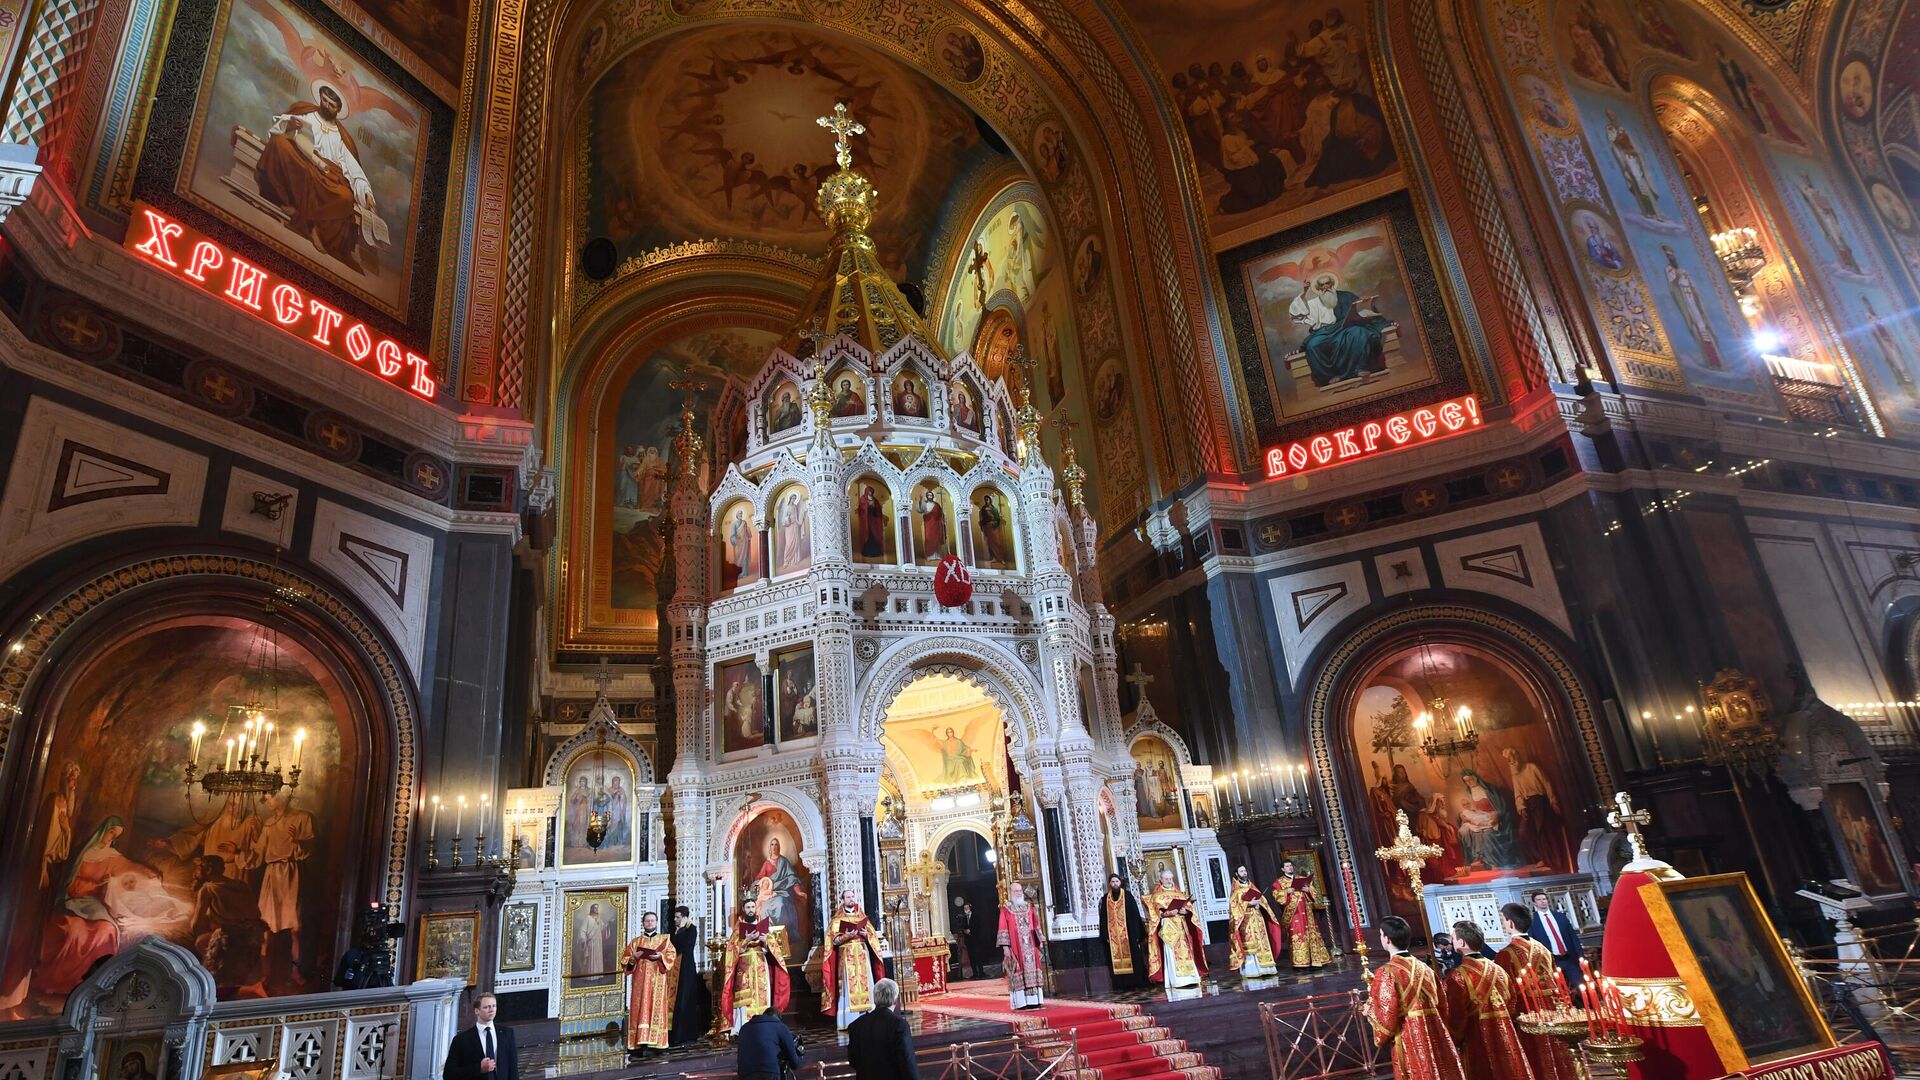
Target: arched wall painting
[
  {"x": 784, "y": 411},
  {"x": 932, "y": 519},
  {"x": 117, "y": 853},
  {"x": 711, "y": 133},
  {"x": 597, "y": 781},
  {"x": 767, "y": 867},
  {"x": 792, "y": 531},
  {"x": 871, "y": 524},
  {"x": 740, "y": 705},
  {"x": 639, "y": 421},
  {"x": 1506, "y": 809},
  {"x": 1004, "y": 259},
  {"x": 737, "y": 546},
  {"x": 993, "y": 530},
  {"x": 1279, "y": 105},
  {"x": 1156, "y": 784}
]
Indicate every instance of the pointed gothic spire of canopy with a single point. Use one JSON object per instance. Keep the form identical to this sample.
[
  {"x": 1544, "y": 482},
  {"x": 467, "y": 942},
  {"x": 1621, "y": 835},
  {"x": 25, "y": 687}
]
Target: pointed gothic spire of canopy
[{"x": 854, "y": 295}]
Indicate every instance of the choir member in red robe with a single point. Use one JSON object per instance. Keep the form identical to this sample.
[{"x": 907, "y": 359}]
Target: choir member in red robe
[
  {"x": 1547, "y": 1056},
  {"x": 1404, "y": 1005},
  {"x": 1477, "y": 997}
]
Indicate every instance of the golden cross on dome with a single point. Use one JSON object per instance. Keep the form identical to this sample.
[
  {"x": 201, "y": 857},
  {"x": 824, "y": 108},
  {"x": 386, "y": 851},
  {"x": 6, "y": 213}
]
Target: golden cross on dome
[
  {"x": 844, "y": 127},
  {"x": 1629, "y": 819}
]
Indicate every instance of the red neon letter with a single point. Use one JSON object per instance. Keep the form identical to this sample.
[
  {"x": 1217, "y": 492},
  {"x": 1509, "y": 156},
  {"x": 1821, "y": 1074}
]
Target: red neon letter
[
  {"x": 1397, "y": 430},
  {"x": 206, "y": 256},
  {"x": 244, "y": 282},
  {"x": 1424, "y": 422},
  {"x": 326, "y": 321},
  {"x": 289, "y": 306},
  {"x": 1348, "y": 448},
  {"x": 160, "y": 231},
  {"x": 1276, "y": 462},
  {"x": 1370, "y": 433},
  {"x": 1297, "y": 455},
  {"x": 359, "y": 342},
  {"x": 422, "y": 382},
  {"x": 1452, "y": 416},
  {"x": 1473, "y": 407},
  {"x": 1322, "y": 448},
  {"x": 386, "y": 357}
]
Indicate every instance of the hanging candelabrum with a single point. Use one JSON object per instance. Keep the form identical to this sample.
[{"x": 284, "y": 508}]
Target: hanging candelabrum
[
  {"x": 1273, "y": 792},
  {"x": 249, "y": 755},
  {"x": 1460, "y": 737}
]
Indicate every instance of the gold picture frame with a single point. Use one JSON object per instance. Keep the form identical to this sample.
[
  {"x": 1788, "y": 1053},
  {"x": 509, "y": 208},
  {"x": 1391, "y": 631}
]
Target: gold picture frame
[
  {"x": 1171, "y": 858},
  {"x": 1750, "y": 996},
  {"x": 449, "y": 947}
]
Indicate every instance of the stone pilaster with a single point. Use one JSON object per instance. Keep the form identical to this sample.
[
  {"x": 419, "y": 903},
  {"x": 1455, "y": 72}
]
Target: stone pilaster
[{"x": 686, "y": 616}]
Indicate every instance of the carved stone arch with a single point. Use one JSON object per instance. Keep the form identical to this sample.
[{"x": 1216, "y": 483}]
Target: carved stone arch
[
  {"x": 869, "y": 459},
  {"x": 1339, "y": 665},
  {"x": 980, "y": 663},
  {"x": 948, "y": 829},
  {"x": 599, "y": 722},
  {"x": 738, "y": 813},
  {"x": 734, "y": 485},
  {"x": 1153, "y": 726},
  {"x": 155, "y": 985}
]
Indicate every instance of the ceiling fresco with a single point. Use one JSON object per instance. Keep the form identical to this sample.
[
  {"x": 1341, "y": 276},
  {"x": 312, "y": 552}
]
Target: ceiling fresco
[{"x": 712, "y": 134}]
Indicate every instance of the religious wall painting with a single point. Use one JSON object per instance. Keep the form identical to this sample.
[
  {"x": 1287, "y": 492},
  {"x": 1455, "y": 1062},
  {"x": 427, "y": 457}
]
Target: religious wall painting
[
  {"x": 1001, "y": 262},
  {"x": 1109, "y": 388},
  {"x": 1653, "y": 29},
  {"x": 793, "y": 683},
  {"x": 1157, "y": 860},
  {"x": 958, "y": 53},
  {"x": 1003, "y": 429},
  {"x": 639, "y": 421},
  {"x": 1856, "y": 89},
  {"x": 1857, "y": 821},
  {"x": 449, "y": 946},
  {"x": 963, "y": 405},
  {"x": 710, "y": 133},
  {"x": 1279, "y": 106},
  {"x": 598, "y": 782},
  {"x": 1598, "y": 240},
  {"x": 1089, "y": 262},
  {"x": 783, "y": 405},
  {"x": 308, "y": 147},
  {"x": 1506, "y": 809},
  {"x": 737, "y": 546},
  {"x": 740, "y": 705},
  {"x": 870, "y": 523},
  {"x": 1594, "y": 49},
  {"x": 952, "y": 750},
  {"x": 933, "y": 520},
  {"x": 519, "y": 937},
  {"x": 994, "y": 346},
  {"x": 1203, "y": 814},
  {"x": 433, "y": 30},
  {"x": 909, "y": 396},
  {"x": 1544, "y": 102},
  {"x": 1870, "y": 335},
  {"x": 1052, "y": 151},
  {"x": 117, "y": 851},
  {"x": 1335, "y": 320},
  {"x": 596, "y": 927},
  {"x": 792, "y": 530},
  {"x": 1746, "y": 988},
  {"x": 131, "y": 1057},
  {"x": 767, "y": 867},
  {"x": 849, "y": 390},
  {"x": 1156, "y": 784},
  {"x": 993, "y": 530}
]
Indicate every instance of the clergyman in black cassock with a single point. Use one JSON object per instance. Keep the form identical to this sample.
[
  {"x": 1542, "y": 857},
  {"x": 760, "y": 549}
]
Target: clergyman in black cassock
[
  {"x": 692, "y": 1004},
  {"x": 1126, "y": 958}
]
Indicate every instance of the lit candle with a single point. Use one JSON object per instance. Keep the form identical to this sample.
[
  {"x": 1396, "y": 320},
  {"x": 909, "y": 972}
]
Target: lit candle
[
  {"x": 199, "y": 729},
  {"x": 434, "y": 829},
  {"x": 1465, "y": 718},
  {"x": 299, "y": 745},
  {"x": 1242, "y": 787},
  {"x": 459, "y": 815},
  {"x": 1353, "y": 901},
  {"x": 1302, "y": 770},
  {"x": 484, "y": 800},
  {"x": 1593, "y": 1014},
  {"x": 228, "y": 767},
  {"x": 272, "y": 745}
]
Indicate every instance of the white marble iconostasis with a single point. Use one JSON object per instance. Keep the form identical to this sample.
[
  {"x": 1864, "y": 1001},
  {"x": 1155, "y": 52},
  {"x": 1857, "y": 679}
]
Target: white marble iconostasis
[
  {"x": 573, "y": 906},
  {"x": 1174, "y": 816}
]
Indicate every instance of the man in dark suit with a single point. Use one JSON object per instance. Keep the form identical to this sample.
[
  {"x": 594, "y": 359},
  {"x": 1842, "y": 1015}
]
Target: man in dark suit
[
  {"x": 879, "y": 1044},
  {"x": 1554, "y": 930},
  {"x": 483, "y": 1051},
  {"x": 766, "y": 1048}
]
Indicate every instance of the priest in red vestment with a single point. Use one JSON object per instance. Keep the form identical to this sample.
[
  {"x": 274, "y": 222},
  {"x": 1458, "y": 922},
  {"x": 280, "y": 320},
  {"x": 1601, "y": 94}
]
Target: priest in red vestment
[
  {"x": 754, "y": 971},
  {"x": 1404, "y": 1005},
  {"x": 852, "y": 966},
  {"x": 653, "y": 964},
  {"x": 1022, "y": 949},
  {"x": 1547, "y": 1056},
  {"x": 1477, "y": 999}
]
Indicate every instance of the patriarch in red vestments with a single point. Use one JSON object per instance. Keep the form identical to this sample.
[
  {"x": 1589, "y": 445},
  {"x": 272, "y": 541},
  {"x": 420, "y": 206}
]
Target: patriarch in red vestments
[
  {"x": 852, "y": 967},
  {"x": 1477, "y": 999},
  {"x": 1404, "y": 1006},
  {"x": 754, "y": 977},
  {"x": 1023, "y": 949}
]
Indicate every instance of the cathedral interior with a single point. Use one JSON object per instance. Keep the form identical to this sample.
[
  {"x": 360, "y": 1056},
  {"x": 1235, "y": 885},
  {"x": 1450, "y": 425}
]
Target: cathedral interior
[{"x": 562, "y": 460}]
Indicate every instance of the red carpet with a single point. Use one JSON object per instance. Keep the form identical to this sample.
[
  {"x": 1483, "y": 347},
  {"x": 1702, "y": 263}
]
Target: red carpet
[{"x": 1116, "y": 1042}]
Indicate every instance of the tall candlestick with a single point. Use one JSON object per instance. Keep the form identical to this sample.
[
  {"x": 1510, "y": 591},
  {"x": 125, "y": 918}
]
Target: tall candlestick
[
  {"x": 1353, "y": 900},
  {"x": 198, "y": 730},
  {"x": 228, "y": 767}
]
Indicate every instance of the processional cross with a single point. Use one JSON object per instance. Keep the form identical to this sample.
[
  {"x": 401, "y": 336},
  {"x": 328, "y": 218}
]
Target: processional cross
[
  {"x": 1410, "y": 852},
  {"x": 1626, "y": 817},
  {"x": 844, "y": 127}
]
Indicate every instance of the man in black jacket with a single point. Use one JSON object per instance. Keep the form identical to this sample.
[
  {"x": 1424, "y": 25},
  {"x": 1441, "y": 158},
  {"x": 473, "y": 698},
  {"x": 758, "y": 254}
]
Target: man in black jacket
[
  {"x": 692, "y": 1004},
  {"x": 879, "y": 1044},
  {"x": 766, "y": 1048},
  {"x": 483, "y": 1051}
]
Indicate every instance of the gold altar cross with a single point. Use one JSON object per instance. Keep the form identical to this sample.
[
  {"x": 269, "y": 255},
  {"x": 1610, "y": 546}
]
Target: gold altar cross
[
  {"x": 844, "y": 127},
  {"x": 1626, "y": 817},
  {"x": 1410, "y": 852}
]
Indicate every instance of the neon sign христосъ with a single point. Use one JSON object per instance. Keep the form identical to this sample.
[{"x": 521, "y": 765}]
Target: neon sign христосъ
[
  {"x": 1427, "y": 423},
  {"x": 208, "y": 266}
]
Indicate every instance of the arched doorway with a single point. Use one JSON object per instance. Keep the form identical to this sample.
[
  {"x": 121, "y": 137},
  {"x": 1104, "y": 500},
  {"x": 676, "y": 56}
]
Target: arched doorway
[{"x": 973, "y": 888}]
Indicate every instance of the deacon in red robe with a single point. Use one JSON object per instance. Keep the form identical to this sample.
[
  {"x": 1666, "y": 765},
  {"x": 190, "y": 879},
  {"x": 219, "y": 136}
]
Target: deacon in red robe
[
  {"x": 653, "y": 964},
  {"x": 1404, "y": 1005},
  {"x": 1547, "y": 1056},
  {"x": 1477, "y": 999},
  {"x": 852, "y": 966},
  {"x": 754, "y": 972},
  {"x": 1022, "y": 949}
]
